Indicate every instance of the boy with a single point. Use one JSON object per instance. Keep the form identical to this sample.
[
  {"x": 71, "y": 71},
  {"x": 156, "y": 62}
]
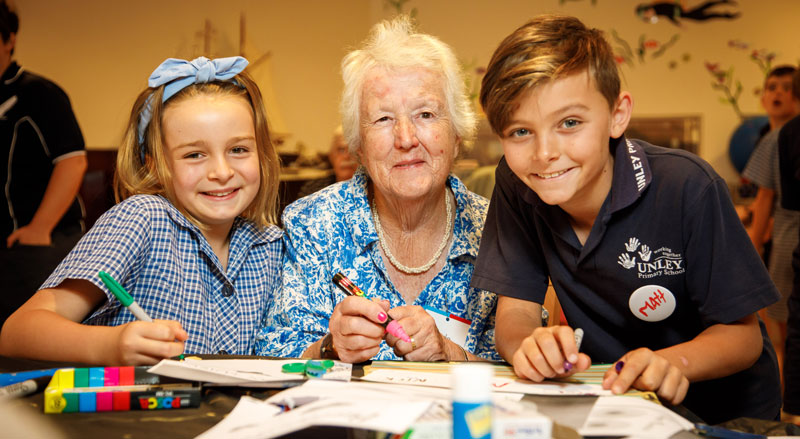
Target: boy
[
  {"x": 780, "y": 101},
  {"x": 642, "y": 243}
]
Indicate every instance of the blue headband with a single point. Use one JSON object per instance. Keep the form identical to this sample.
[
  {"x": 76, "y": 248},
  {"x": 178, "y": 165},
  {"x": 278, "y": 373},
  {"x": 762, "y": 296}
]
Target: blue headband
[{"x": 179, "y": 74}]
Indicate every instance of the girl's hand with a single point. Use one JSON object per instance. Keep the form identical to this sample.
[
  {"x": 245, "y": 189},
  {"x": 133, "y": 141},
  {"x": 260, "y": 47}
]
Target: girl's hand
[
  {"x": 148, "y": 342},
  {"x": 356, "y": 329},
  {"x": 543, "y": 353},
  {"x": 428, "y": 344},
  {"x": 646, "y": 370}
]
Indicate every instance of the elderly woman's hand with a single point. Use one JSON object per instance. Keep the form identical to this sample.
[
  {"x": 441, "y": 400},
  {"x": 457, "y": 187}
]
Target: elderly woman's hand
[
  {"x": 428, "y": 343},
  {"x": 356, "y": 329}
]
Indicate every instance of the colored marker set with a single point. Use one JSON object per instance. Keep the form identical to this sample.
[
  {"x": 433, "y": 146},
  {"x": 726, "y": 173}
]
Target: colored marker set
[{"x": 98, "y": 389}]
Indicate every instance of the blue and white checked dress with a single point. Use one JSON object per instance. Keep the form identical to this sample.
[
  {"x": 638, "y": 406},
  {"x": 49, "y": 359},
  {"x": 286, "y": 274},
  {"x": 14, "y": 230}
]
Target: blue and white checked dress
[
  {"x": 167, "y": 265},
  {"x": 331, "y": 231}
]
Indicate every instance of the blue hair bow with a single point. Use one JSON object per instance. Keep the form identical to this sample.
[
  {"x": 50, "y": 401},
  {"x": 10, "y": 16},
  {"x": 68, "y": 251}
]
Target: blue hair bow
[{"x": 179, "y": 74}]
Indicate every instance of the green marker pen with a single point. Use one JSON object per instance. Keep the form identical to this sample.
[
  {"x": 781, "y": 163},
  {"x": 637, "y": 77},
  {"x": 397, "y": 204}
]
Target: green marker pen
[{"x": 124, "y": 297}]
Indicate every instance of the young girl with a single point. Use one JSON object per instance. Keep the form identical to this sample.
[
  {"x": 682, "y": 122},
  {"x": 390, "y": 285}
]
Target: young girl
[{"x": 190, "y": 240}]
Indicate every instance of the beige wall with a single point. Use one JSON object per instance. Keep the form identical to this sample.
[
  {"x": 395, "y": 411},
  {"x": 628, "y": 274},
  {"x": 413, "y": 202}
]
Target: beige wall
[{"x": 101, "y": 52}]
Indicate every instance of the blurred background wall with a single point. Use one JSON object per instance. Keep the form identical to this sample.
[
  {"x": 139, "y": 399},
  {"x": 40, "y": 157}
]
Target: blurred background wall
[{"x": 101, "y": 52}]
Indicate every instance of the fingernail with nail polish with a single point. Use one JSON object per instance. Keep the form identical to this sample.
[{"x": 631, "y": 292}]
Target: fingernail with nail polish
[{"x": 382, "y": 316}]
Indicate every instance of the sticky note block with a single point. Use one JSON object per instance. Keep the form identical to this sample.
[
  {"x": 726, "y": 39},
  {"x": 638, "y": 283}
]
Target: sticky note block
[
  {"x": 96, "y": 377},
  {"x": 87, "y": 401},
  {"x": 112, "y": 376},
  {"x": 122, "y": 400},
  {"x": 104, "y": 401},
  {"x": 82, "y": 377},
  {"x": 73, "y": 404},
  {"x": 126, "y": 376}
]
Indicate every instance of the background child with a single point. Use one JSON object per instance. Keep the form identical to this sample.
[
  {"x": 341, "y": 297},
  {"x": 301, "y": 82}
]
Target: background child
[
  {"x": 780, "y": 101},
  {"x": 190, "y": 241},
  {"x": 642, "y": 244}
]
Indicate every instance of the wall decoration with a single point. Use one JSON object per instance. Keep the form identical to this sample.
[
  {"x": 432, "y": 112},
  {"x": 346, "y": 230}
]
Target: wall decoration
[
  {"x": 730, "y": 87},
  {"x": 213, "y": 42},
  {"x": 724, "y": 82},
  {"x": 675, "y": 11},
  {"x": 646, "y": 48},
  {"x": 762, "y": 57},
  {"x": 685, "y": 58}
]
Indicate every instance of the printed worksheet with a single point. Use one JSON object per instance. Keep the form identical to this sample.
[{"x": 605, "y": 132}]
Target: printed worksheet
[{"x": 247, "y": 372}]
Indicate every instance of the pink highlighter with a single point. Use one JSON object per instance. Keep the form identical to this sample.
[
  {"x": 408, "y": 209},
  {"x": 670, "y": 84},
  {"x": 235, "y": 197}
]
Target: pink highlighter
[{"x": 349, "y": 288}]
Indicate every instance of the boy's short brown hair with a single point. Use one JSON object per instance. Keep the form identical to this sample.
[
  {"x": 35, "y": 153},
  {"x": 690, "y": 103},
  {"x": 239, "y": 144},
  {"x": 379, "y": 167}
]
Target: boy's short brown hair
[{"x": 546, "y": 48}]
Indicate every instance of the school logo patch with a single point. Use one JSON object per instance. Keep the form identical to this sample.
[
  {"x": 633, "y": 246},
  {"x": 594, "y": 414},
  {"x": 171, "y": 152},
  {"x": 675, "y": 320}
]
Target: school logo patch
[{"x": 650, "y": 263}]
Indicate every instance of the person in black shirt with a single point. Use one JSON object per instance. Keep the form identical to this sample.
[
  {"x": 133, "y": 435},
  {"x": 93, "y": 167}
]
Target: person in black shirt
[
  {"x": 789, "y": 163},
  {"x": 43, "y": 166}
]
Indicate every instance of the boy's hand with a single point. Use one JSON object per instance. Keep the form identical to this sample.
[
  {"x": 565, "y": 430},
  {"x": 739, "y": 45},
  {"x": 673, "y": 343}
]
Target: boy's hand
[
  {"x": 644, "y": 369},
  {"x": 148, "y": 342},
  {"x": 543, "y": 353}
]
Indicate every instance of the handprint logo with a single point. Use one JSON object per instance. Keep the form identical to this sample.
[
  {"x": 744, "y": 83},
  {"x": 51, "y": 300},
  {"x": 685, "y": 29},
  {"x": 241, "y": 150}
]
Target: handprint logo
[
  {"x": 632, "y": 245},
  {"x": 626, "y": 261},
  {"x": 645, "y": 253}
]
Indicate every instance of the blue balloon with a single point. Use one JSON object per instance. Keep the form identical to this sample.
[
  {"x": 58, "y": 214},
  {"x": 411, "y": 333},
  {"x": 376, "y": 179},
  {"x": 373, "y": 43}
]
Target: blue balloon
[{"x": 744, "y": 139}]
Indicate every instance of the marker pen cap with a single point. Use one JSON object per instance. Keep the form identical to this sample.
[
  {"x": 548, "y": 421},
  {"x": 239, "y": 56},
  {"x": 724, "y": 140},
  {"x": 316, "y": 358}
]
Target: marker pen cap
[{"x": 471, "y": 382}]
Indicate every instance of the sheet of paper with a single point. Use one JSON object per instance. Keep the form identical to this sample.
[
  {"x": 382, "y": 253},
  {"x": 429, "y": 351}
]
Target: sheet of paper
[
  {"x": 242, "y": 372},
  {"x": 499, "y": 383},
  {"x": 351, "y": 408},
  {"x": 246, "y": 421},
  {"x": 632, "y": 416}
]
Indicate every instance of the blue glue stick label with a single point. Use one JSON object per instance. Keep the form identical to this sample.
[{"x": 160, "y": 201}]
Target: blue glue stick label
[{"x": 472, "y": 420}]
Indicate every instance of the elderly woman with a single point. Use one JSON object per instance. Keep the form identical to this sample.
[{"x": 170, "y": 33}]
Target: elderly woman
[{"x": 402, "y": 229}]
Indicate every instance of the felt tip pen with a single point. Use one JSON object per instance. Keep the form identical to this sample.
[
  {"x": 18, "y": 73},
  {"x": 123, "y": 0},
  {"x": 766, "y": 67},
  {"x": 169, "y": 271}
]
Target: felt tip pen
[
  {"x": 349, "y": 288},
  {"x": 24, "y": 388},
  {"x": 124, "y": 297},
  {"x": 578, "y": 340}
]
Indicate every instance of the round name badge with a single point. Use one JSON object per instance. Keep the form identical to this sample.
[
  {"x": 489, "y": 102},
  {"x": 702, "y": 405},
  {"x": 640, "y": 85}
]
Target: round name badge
[{"x": 652, "y": 303}]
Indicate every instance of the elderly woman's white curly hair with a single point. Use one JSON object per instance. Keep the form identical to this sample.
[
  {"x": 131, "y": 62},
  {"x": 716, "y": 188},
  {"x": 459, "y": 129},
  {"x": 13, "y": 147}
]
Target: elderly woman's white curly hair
[{"x": 396, "y": 44}]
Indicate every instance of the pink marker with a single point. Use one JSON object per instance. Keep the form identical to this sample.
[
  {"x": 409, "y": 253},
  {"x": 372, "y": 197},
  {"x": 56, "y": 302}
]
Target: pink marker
[{"x": 349, "y": 288}]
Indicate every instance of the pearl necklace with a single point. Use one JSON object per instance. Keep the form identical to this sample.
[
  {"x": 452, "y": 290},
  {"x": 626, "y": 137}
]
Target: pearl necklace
[{"x": 395, "y": 262}]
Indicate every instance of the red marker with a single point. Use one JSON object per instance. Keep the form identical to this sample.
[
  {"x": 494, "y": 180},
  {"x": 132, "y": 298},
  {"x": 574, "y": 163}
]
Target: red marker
[{"x": 349, "y": 288}]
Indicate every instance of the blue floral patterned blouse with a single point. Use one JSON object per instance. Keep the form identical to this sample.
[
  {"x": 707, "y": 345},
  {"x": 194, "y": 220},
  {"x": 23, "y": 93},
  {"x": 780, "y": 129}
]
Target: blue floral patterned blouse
[{"x": 331, "y": 231}]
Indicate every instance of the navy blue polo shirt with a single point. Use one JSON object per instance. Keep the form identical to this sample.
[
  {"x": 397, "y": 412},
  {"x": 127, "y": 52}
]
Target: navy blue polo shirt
[
  {"x": 37, "y": 129},
  {"x": 666, "y": 235}
]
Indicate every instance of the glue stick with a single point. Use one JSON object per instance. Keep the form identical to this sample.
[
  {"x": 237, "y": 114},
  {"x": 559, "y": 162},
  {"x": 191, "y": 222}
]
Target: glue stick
[{"x": 472, "y": 401}]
